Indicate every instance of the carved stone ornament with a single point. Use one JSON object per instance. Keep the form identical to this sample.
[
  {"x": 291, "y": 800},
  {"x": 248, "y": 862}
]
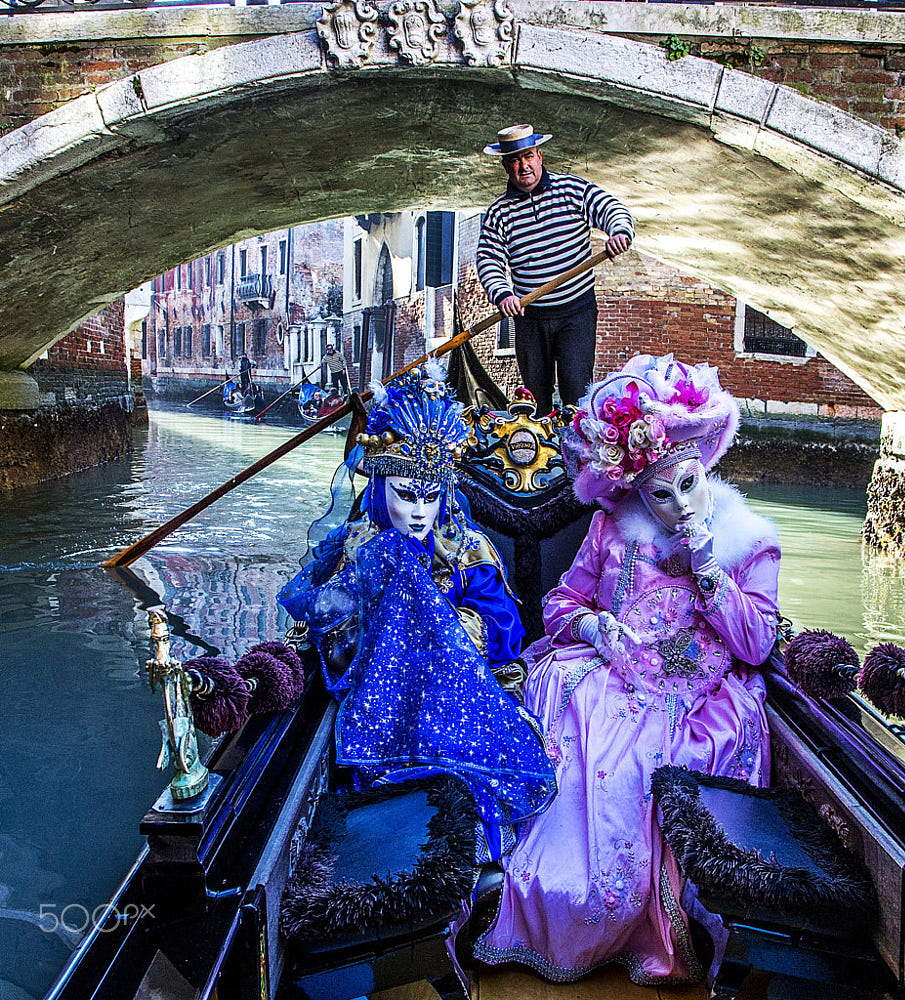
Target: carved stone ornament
[
  {"x": 484, "y": 27},
  {"x": 348, "y": 29},
  {"x": 416, "y": 27}
]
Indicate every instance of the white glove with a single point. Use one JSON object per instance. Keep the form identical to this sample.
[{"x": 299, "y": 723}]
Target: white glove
[
  {"x": 605, "y": 633},
  {"x": 700, "y": 545}
]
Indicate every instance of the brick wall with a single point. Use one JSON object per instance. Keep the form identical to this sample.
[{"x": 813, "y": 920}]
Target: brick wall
[
  {"x": 89, "y": 364},
  {"x": 865, "y": 80},
  {"x": 646, "y": 306},
  {"x": 34, "y": 79},
  {"x": 87, "y": 413},
  {"x": 408, "y": 339}
]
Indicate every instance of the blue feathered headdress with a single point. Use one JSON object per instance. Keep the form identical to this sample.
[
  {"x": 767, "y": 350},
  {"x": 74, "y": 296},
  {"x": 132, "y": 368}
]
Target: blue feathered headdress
[{"x": 415, "y": 428}]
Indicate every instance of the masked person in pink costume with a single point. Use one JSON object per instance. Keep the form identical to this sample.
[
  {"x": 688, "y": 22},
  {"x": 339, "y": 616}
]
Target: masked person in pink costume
[{"x": 651, "y": 641}]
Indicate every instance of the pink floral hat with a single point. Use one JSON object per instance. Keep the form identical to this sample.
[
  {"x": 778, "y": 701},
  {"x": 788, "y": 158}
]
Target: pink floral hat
[{"x": 652, "y": 413}]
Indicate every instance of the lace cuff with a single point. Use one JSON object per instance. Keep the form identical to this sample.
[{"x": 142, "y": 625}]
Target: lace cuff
[{"x": 575, "y": 621}]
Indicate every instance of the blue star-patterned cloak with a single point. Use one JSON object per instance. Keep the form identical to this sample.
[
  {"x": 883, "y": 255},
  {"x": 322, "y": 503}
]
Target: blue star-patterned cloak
[{"x": 418, "y": 698}]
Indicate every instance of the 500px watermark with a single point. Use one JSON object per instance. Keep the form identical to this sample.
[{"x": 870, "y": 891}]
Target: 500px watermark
[{"x": 75, "y": 918}]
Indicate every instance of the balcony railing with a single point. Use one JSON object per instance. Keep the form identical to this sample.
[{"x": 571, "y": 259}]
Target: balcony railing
[{"x": 256, "y": 290}]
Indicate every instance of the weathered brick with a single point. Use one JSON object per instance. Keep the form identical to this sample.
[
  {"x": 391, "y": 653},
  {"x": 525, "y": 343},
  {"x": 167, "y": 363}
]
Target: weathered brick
[
  {"x": 833, "y": 60},
  {"x": 878, "y": 77}
]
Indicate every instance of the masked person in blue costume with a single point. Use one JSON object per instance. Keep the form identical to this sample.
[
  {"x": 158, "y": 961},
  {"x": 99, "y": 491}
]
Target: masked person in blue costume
[{"x": 409, "y": 609}]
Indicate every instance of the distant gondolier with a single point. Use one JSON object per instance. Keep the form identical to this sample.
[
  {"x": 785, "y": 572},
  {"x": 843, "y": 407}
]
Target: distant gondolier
[
  {"x": 245, "y": 367},
  {"x": 537, "y": 229},
  {"x": 335, "y": 366}
]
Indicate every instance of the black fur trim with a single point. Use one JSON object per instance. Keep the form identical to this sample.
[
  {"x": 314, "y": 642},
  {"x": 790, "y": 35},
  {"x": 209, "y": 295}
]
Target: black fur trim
[
  {"x": 841, "y": 895},
  {"x": 315, "y": 907},
  {"x": 527, "y": 527},
  {"x": 540, "y": 521}
]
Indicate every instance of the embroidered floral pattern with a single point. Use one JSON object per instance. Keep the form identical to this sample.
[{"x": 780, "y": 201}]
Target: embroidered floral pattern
[
  {"x": 682, "y": 654},
  {"x": 679, "y": 652},
  {"x": 746, "y": 760},
  {"x": 616, "y": 888}
]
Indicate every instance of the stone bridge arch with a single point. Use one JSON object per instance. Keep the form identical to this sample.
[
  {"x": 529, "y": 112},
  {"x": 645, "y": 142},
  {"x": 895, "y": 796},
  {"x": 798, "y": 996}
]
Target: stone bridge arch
[{"x": 789, "y": 203}]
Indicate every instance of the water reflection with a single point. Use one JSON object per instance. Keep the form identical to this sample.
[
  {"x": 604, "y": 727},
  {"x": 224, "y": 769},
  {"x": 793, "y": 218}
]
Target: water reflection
[
  {"x": 80, "y": 734},
  {"x": 883, "y": 596}
]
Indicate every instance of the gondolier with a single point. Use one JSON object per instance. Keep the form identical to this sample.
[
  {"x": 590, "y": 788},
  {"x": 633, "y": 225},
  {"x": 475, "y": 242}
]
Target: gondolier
[
  {"x": 538, "y": 228},
  {"x": 245, "y": 367},
  {"x": 335, "y": 366}
]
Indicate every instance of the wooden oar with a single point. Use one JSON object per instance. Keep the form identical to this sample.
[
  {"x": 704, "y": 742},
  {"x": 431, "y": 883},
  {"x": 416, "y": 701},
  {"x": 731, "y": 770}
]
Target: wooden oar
[
  {"x": 209, "y": 391},
  {"x": 274, "y": 403},
  {"x": 139, "y": 548}
]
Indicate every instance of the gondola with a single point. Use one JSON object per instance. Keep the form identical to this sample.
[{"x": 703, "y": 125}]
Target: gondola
[
  {"x": 314, "y": 403},
  {"x": 197, "y": 916},
  {"x": 239, "y": 402}
]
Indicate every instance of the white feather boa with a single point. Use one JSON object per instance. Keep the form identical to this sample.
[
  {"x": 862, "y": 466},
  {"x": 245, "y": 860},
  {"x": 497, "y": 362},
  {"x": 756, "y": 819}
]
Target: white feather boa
[{"x": 736, "y": 528}]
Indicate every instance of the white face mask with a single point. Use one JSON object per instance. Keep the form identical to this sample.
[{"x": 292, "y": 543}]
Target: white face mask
[
  {"x": 413, "y": 505},
  {"x": 679, "y": 495}
]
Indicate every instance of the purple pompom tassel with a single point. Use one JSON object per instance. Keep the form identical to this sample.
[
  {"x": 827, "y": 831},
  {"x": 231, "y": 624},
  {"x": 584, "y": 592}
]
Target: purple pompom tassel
[
  {"x": 882, "y": 678},
  {"x": 290, "y": 658},
  {"x": 823, "y": 665},
  {"x": 226, "y": 708},
  {"x": 274, "y": 687}
]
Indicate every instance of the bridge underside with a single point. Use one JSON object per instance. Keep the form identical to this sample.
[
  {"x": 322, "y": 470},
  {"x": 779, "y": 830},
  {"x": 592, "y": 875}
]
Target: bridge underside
[{"x": 809, "y": 240}]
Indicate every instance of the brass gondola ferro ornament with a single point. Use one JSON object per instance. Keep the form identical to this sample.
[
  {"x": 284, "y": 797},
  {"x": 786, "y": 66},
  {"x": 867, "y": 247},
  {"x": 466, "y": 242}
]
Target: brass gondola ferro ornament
[
  {"x": 519, "y": 451},
  {"x": 180, "y": 743}
]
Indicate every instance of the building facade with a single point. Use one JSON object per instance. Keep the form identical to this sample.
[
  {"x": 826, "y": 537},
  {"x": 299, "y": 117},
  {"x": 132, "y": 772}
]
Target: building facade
[
  {"x": 398, "y": 295},
  {"x": 274, "y": 298},
  {"x": 384, "y": 287}
]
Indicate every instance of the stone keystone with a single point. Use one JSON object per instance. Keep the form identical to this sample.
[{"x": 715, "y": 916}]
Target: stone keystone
[
  {"x": 348, "y": 29},
  {"x": 416, "y": 27},
  {"x": 484, "y": 29}
]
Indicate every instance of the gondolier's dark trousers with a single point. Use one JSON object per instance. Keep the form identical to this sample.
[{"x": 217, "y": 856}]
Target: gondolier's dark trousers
[
  {"x": 560, "y": 342},
  {"x": 340, "y": 380}
]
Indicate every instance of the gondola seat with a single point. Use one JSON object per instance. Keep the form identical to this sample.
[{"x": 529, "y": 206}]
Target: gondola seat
[
  {"x": 378, "y": 882},
  {"x": 794, "y": 901}
]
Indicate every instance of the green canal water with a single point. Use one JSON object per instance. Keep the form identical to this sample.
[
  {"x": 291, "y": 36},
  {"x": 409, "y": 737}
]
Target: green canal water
[{"x": 79, "y": 737}]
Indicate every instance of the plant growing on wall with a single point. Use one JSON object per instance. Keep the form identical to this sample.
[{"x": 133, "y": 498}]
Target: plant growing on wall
[
  {"x": 675, "y": 47},
  {"x": 748, "y": 57}
]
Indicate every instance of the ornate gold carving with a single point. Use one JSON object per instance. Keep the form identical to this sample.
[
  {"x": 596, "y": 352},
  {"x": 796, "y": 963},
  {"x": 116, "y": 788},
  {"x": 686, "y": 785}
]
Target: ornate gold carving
[
  {"x": 417, "y": 26},
  {"x": 484, "y": 29},
  {"x": 516, "y": 449},
  {"x": 348, "y": 29}
]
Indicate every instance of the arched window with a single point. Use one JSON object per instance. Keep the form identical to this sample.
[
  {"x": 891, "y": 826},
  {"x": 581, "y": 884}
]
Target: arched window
[{"x": 383, "y": 282}]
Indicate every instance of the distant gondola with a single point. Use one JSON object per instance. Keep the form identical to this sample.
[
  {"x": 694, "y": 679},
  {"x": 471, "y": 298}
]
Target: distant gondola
[
  {"x": 315, "y": 403},
  {"x": 237, "y": 401}
]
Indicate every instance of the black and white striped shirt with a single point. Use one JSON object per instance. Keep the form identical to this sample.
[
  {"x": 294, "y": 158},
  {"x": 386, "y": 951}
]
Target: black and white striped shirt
[{"x": 537, "y": 235}]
